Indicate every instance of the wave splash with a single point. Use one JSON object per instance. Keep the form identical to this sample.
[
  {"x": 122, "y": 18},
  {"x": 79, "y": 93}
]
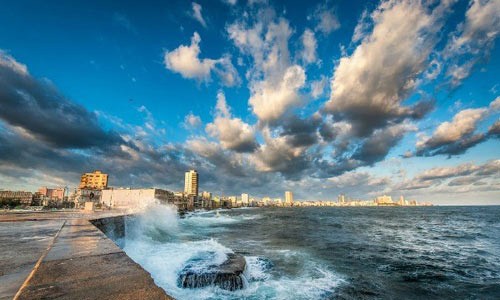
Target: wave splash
[{"x": 164, "y": 244}]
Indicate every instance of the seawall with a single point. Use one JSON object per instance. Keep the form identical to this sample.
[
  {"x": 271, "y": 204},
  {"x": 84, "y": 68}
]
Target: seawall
[{"x": 65, "y": 256}]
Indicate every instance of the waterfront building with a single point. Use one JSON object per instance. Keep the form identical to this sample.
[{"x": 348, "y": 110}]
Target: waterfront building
[
  {"x": 191, "y": 182},
  {"x": 87, "y": 195},
  {"x": 24, "y": 198},
  {"x": 288, "y": 198},
  {"x": 384, "y": 200},
  {"x": 124, "y": 198},
  {"x": 341, "y": 199},
  {"x": 245, "y": 199},
  {"x": 52, "y": 194},
  {"x": 95, "y": 180},
  {"x": 206, "y": 199}
]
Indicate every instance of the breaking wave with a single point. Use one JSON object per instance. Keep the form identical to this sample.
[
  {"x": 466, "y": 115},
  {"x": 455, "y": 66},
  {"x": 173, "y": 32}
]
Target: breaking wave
[{"x": 163, "y": 244}]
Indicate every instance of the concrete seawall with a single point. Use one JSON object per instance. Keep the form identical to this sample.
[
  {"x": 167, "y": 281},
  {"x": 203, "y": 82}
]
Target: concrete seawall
[{"x": 55, "y": 255}]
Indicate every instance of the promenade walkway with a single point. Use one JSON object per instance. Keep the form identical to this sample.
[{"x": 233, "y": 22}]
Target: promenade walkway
[{"x": 61, "y": 255}]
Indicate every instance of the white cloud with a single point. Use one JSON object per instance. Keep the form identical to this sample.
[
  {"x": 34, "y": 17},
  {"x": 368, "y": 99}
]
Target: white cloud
[
  {"x": 309, "y": 44},
  {"x": 361, "y": 29},
  {"x": 8, "y": 61},
  {"x": 221, "y": 107},
  {"x": 233, "y": 133},
  {"x": 326, "y": 19},
  {"x": 369, "y": 86},
  {"x": 191, "y": 121},
  {"x": 463, "y": 123},
  {"x": 318, "y": 87},
  {"x": 270, "y": 101},
  {"x": 457, "y": 136},
  {"x": 274, "y": 81},
  {"x": 197, "y": 13},
  {"x": 185, "y": 61},
  {"x": 474, "y": 38}
]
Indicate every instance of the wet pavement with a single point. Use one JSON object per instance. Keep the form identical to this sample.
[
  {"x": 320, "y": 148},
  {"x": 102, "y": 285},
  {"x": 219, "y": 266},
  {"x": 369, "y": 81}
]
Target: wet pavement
[{"x": 62, "y": 255}]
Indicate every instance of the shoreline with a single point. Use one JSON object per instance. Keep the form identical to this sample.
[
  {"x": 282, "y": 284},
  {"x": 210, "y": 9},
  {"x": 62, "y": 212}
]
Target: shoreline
[{"x": 63, "y": 254}]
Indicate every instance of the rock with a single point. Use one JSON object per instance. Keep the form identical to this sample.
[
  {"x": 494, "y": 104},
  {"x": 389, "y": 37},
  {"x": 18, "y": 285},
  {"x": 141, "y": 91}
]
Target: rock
[{"x": 228, "y": 275}]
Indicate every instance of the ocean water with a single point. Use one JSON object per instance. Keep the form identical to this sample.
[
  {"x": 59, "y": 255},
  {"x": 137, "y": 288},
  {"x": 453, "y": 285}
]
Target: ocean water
[{"x": 328, "y": 253}]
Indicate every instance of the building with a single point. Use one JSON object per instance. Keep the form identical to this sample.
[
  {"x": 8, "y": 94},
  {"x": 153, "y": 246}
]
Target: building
[
  {"x": 206, "y": 199},
  {"x": 384, "y": 200},
  {"x": 23, "y": 198},
  {"x": 341, "y": 199},
  {"x": 126, "y": 198},
  {"x": 96, "y": 180},
  {"x": 52, "y": 194},
  {"x": 191, "y": 182},
  {"x": 288, "y": 198},
  {"x": 87, "y": 195},
  {"x": 245, "y": 199}
]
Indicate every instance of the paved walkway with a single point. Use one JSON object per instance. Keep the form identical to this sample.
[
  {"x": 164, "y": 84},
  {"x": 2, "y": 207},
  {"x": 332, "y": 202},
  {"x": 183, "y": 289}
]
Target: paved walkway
[{"x": 63, "y": 256}]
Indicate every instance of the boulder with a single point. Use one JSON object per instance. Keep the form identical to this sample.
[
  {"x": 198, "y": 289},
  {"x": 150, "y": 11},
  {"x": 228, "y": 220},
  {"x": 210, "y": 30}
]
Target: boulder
[{"x": 228, "y": 275}]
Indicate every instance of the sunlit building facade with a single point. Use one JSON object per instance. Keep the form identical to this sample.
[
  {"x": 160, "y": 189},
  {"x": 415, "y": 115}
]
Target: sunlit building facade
[
  {"x": 191, "y": 182},
  {"x": 95, "y": 180}
]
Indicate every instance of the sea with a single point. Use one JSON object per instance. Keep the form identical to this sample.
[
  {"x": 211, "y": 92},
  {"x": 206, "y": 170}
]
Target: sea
[{"x": 439, "y": 252}]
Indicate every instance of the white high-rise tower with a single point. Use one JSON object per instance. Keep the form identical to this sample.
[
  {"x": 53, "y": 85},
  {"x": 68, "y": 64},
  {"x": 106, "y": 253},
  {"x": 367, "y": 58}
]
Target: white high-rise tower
[{"x": 191, "y": 183}]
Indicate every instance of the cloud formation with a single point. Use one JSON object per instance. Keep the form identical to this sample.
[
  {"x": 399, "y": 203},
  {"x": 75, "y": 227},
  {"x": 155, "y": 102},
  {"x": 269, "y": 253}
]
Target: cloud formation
[
  {"x": 445, "y": 179},
  {"x": 233, "y": 133},
  {"x": 325, "y": 18},
  {"x": 185, "y": 60},
  {"x": 473, "y": 39},
  {"x": 39, "y": 110},
  {"x": 191, "y": 121},
  {"x": 369, "y": 86},
  {"x": 309, "y": 44},
  {"x": 457, "y": 136},
  {"x": 197, "y": 13}
]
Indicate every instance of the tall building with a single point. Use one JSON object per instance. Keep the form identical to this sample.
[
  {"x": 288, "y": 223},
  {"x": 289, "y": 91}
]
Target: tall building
[
  {"x": 96, "y": 180},
  {"x": 191, "y": 183},
  {"x": 288, "y": 197},
  {"x": 341, "y": 199},
  {"x": 245, "y": 199}
]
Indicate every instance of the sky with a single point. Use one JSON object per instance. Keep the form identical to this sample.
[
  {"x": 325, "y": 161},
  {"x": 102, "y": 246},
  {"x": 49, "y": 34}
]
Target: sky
[{"x": 321, "y": 98}]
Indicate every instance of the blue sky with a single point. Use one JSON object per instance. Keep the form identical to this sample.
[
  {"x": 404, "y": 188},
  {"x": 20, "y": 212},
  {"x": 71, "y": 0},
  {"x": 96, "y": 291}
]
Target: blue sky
[{"x": 321, "y": 97}]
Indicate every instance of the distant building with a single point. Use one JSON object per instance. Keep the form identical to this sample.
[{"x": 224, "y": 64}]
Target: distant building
[
  {"x": 341, "y": 199},
  {"x": 96, "y": 180},
  {"x": 135, "y": 198},
  {"x": 288, "y": 198},
  {"x": 384, "y": 200},
  {"x": 191, "y": 182},
  {"x": 245, "y": 199},
  {"x": 206, "y": 199},
  {"x": 24, "y": 198},
  {"x": 87, "y": 195},
  {"x": 53, "y": 194}
]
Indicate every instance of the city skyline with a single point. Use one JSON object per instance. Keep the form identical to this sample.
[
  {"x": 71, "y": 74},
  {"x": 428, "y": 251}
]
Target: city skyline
[{"x": 260, "y": 97}]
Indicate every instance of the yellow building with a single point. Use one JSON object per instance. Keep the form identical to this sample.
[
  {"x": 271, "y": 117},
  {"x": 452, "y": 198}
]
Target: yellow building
[{"x": 96, "y": 180}]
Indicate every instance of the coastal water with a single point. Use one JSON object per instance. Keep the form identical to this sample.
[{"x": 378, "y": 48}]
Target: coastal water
[{"x": 328, "y": 253}]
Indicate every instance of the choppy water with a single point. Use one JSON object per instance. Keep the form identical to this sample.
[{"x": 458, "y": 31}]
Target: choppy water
[{"x": 330, "y": 253}]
